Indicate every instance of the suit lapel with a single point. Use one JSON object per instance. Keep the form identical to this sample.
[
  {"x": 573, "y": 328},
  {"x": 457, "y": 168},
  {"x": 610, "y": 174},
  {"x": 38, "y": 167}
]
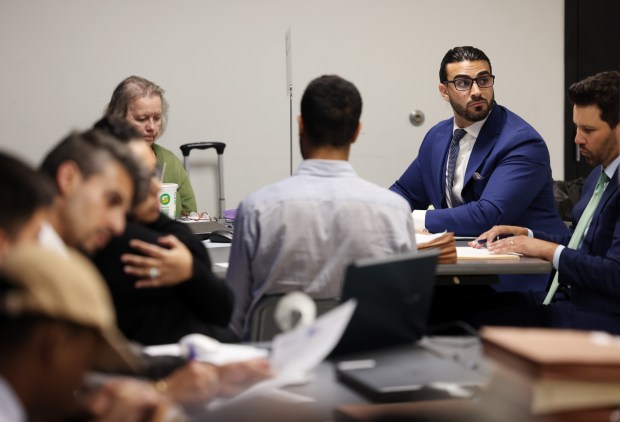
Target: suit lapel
[
  {"x": 484, "y": 143},
  {"x": 441, "y": 145},
  {"x": 610, "y": 191}
]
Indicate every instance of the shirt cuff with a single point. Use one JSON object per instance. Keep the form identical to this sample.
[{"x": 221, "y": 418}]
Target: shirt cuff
[
  {"x": 556, "y": 256},
  {"x": 419, "y": 219}
]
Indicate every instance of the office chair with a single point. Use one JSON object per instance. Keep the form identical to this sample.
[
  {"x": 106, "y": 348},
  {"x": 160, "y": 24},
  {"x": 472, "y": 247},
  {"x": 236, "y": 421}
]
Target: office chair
[{"x": 263, "y": 325}]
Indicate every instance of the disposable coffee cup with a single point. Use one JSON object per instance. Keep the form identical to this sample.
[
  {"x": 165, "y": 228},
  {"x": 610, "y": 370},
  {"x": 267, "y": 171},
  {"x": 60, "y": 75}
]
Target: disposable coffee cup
[{"x": 168, "y": 199}]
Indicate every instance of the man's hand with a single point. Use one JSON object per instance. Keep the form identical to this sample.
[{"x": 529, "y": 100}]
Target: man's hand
[
  {"x": 166, "y": 265},
  {"x": 128, "y": 400}
]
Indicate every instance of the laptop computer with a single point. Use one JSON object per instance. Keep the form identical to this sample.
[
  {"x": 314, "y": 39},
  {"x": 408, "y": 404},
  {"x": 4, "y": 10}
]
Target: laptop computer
[
  {"x": 393, "y": 296},
  {"x": 382, "y": 359}
]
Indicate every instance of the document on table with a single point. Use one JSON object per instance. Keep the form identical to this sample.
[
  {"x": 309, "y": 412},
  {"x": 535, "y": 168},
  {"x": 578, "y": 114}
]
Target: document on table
[
  {"x": 426, "y": 237},
  {"x": 294, "y": 354},
  {"x": 469, "y": 253}
]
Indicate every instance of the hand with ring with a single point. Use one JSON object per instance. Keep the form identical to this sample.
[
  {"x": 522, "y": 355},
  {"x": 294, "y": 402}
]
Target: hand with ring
[
  {"x": 495, "y": 233},
  {"x": 166, "y": 264},
  {"x": 524, "y": 245}
]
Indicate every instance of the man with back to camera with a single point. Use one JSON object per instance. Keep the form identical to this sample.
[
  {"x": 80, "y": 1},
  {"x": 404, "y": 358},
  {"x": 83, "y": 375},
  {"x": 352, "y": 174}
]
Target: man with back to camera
[
  {"x": 300, "y": 233},
  {"x": 588, "y": 267},
  {"x": 483, "y": 167}
]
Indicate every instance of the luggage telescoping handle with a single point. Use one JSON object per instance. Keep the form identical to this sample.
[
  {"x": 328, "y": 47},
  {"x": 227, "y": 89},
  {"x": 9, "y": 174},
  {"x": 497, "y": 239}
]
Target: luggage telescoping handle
[{"x": 219, "y": 148}]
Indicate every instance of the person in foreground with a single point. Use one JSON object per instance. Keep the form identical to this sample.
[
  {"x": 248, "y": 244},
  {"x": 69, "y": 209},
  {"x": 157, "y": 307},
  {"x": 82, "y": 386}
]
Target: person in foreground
[
  {"x": 588, "y": 262},
  {"x": 483, "y": 167},
  {"x": 142, "y": 103},
  {"x": 301, "y": 233},
  {"x": 27, "y": 196},
  {"x": 97, "y": 180},
  {"x": 57, "y": 322},
  {"x": 158, "y": 272}
]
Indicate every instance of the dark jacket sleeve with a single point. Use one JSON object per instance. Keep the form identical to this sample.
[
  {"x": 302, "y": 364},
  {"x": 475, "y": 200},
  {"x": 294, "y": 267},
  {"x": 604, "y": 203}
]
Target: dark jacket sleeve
[{"x": 206, "y": 294}]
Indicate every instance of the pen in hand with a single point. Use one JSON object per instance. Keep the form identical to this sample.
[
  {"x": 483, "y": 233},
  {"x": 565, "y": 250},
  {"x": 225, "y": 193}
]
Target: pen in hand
[{"x": 501, "y": 236}]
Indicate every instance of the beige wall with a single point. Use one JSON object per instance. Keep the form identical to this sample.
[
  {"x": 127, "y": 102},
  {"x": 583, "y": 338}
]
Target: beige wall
[{"x": 223, "y": 66}]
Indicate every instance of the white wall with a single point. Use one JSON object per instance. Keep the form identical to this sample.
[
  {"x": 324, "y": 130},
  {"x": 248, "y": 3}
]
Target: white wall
[{"x": 223, "y": 66}]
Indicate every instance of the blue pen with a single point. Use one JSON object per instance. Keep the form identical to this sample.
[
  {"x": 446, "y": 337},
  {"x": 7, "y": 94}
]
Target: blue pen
[
  {"x": 191, "y": 351},
  {"x": 501, "y": 236}
]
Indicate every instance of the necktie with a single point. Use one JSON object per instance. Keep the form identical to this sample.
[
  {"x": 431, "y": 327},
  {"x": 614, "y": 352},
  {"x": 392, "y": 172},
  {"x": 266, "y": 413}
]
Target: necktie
[
  {"x": 453, "y": 155},
  {"x": 583, "y": 223}
]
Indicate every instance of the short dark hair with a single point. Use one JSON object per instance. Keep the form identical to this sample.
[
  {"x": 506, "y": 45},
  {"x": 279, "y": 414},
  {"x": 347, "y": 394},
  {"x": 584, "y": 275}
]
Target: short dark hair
[
  {"x": 23, "y": 191},
  {"x": 118, "y": 128},
  {"x": 330, "y": 109},
  {"x": 92, "y": 150},
  {"x": 135, "y": 87},
  {"x": 601, "y": 90},
  {"x": 461, "y": 54}
]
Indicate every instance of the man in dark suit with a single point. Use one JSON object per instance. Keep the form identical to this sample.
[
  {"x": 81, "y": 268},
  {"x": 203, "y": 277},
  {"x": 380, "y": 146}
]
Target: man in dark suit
[
  {"x": 589, "y": 266},
  {"x": 500, "y": 173}
]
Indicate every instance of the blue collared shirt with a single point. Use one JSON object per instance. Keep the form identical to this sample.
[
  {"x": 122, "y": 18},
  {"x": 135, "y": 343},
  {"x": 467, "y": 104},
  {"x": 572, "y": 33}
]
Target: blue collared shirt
[{"x": 302, "y": 232}]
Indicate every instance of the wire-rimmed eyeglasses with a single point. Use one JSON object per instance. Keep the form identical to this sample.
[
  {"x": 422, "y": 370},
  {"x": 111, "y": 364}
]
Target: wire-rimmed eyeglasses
[{"x": 465, "y": 84}]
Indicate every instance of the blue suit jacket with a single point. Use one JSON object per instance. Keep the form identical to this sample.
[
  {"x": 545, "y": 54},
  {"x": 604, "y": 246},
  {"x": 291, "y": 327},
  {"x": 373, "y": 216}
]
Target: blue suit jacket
[
  {"x": 593, "y": 271},
  {"x": 507, "y": 181}
]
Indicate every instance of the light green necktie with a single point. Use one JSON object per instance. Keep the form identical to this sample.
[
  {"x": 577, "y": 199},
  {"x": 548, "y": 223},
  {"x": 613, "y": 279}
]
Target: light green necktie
[{"x": 582, "y": 225}]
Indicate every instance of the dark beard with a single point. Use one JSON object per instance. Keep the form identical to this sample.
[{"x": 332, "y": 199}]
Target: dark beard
[{"x": 475, "y": 115}]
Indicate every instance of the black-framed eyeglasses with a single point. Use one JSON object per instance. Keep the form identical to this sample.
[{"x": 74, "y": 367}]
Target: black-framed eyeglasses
[{"x": 465, "y": 84}]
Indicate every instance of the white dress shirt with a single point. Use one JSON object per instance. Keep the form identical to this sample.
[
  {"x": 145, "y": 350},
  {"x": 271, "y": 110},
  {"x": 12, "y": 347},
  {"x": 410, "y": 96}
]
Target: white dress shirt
[
  {"x": 11, "y": 409},
  {"x": 465, "y": 148}
]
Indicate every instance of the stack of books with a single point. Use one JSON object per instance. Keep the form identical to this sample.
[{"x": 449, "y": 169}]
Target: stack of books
[{"x": 552, "y": 375}]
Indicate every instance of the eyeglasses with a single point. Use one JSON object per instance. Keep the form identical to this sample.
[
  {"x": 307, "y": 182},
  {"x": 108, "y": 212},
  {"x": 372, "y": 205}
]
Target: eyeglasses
[{"x": 465, "y": 84}]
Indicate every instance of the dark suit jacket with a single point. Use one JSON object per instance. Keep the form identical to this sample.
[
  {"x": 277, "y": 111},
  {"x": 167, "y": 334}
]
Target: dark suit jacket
[
  {"x": 507, "y": 181},
  {"x": 593, "y": 271}
]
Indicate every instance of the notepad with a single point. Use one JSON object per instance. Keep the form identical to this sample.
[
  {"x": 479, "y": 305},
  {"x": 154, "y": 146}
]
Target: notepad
[{"x": 469, "y": 253}]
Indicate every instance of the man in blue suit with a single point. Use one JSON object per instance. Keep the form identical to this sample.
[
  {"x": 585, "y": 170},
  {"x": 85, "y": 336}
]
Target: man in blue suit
[
  {"x": 497, "y": 173},
  {"x": 589, "y": 266}
]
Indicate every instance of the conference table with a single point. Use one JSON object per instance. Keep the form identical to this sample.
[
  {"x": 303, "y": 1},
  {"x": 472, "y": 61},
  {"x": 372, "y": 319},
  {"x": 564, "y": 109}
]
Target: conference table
[
  {"x": 463, "y": 272},
  {"x": 327, "y": 395}
]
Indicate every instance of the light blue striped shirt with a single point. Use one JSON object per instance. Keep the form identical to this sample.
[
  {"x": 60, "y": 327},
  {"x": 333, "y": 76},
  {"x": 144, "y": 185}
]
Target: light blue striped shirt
[{"x": 302, "y": 232}]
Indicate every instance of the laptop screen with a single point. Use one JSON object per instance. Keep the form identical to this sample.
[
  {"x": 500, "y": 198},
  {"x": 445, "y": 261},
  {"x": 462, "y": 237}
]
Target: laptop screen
[{"x": 394, "y": 297}]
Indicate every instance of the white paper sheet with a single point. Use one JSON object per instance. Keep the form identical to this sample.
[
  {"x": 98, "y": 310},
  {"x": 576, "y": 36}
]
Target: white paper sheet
[
  {"x": 296, "y": 353},
  {"x": 467, "y": 252},
  {"x": 426, "y": 237}
]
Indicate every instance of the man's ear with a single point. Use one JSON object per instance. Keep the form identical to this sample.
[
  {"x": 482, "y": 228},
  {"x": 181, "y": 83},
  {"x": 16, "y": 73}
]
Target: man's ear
[
  {"x": 68, "y": 178},
  {"x": 300, "y": 123},
  {"x": 357, "y": 132},
  {"x": 443, "y": 90}
]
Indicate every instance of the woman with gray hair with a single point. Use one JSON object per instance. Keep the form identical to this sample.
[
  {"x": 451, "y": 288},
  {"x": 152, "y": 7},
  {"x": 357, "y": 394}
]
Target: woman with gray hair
[{"x": 142, "y": 103}]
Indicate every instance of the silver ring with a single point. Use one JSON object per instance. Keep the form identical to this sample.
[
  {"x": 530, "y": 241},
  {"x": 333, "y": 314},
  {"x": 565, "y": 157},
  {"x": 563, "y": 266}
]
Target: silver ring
[
  {"x": 154, "y": 272},
  {"x": 512, "y": 243}
]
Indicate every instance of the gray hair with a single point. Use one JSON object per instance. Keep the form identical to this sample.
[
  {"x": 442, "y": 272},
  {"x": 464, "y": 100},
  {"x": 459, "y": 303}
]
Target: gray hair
[
  {"x": 134, "y": 87},
  {"x": 92, "y": 151}
]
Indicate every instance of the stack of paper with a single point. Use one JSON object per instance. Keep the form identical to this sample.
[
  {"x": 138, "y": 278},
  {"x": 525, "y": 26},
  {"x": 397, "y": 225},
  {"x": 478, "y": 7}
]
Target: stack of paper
[{"x": 466, "y": 253}]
